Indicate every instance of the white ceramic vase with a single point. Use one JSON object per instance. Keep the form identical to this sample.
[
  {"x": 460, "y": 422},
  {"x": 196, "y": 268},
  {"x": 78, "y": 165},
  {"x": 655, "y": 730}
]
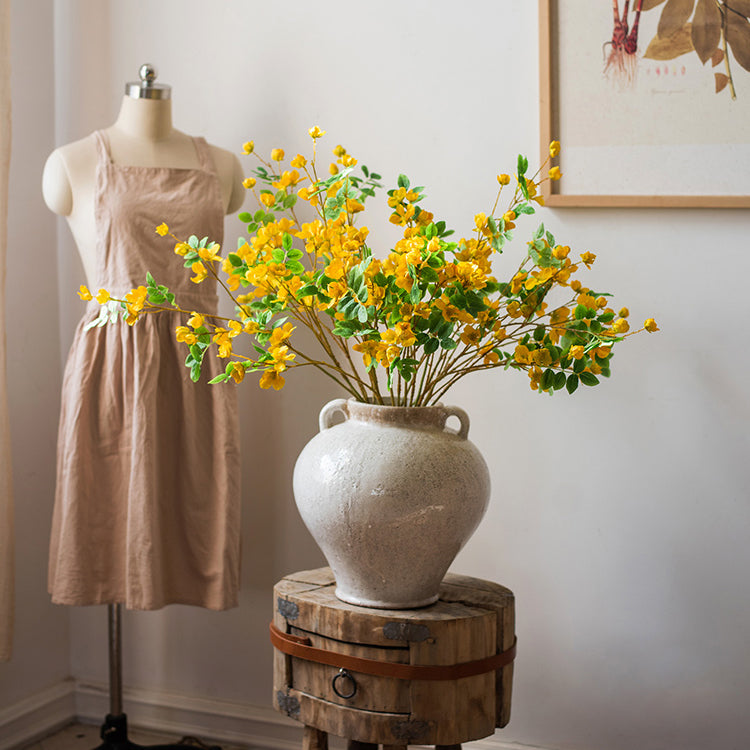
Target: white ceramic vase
[{"x": 391, "y": 494}]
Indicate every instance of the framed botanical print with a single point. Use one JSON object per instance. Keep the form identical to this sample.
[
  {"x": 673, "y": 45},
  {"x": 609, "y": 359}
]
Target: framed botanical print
[{"x": 650, "y": 100}]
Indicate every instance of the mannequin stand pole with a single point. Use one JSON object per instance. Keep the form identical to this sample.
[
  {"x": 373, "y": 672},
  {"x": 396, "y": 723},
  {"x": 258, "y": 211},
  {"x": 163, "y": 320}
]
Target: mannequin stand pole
[{"x": 114, "y": 731}]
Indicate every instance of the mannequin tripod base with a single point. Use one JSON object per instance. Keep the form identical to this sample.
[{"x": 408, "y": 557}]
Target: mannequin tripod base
[{"x": 114, "y": 733}]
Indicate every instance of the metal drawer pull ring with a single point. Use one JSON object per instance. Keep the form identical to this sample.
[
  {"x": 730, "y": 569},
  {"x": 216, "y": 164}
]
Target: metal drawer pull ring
[{"x": 344, "y": 675}]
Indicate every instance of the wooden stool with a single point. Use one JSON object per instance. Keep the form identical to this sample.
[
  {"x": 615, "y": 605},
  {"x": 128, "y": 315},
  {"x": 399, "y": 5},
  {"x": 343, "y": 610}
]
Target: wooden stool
[{"x": 440, "y": 675}]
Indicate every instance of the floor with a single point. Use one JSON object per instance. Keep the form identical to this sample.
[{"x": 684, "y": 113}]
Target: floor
[{"x": 86, "y": 737}]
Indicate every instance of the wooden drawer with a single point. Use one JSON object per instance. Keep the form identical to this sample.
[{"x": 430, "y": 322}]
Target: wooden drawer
[{"x": 473, "y": 620}]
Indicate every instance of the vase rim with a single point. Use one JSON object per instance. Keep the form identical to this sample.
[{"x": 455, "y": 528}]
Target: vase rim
[
  {"x": 426, "y": 417},
  {"x": 372, "y": 404}
]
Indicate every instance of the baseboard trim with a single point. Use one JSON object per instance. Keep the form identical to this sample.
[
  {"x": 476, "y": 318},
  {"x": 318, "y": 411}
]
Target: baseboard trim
[
  {"x": 182, "y": 715},
  {"x": 173, "y": 714},
  {"x": 37, "y": 716},
  {"x": 221, "y": 721}
]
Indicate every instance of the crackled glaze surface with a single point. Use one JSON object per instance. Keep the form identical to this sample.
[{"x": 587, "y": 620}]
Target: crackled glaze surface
[{"x": 390, "y": 495}]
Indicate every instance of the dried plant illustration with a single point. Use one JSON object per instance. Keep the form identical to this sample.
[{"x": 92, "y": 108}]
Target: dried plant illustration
[{"x": 711, "y": 28}]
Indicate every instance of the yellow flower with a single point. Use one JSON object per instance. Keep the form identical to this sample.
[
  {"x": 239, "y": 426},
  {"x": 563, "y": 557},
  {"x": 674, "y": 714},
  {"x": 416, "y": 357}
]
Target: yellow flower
[
  {"x": 248, "y": 182},
  {"x": 84, "y": 293},
  {"x": 555, "y": 173},
  {"x": 339, "y": 151},
  {"x": 348, "y": 161},
  {"x": 471, "y": 335},
  {"x": 277, "y": 154},
  {"x": 281, "y": 355},
  {"x": 136, "y": 298},
  {"x": 316, "y": 132},
  {"x": 503, "y": 179},
  {"x": 162, "y": 229},
  {"x": 222, "y": 340},
  {"x": 267, "y": 199},
  {"x": 650, "y": 325},
  {"x": 238, "y": 372},
  {"x": 196, "y": 320},
  {"x": 249, "y": 147},
  {"x": 185, "y": 335},
  {"x": 298, "y": 162},
  {"x": 554, "y": 148},
  {"x": 576, "y": 351},
  {"x": 491, "y": 357},
  {"x": 102, "y": 296},
  {"x": 522, "y": 355},
  {"x": 272, "y": 379},
  {"x": 588, "y": 259},
  {"x": 624, "y": 312},
  {"x": 621, "y": 326},
  {"x": 333, "y": 169},
  {"x": 182, "y": 248},
  {"x": 480, "y": 221},
  {"x": 200, "y": 272},
  {"x": 542, "y": 357},
  {"x": 280, "y": 334},
  {"x": 211, "y": 252}
]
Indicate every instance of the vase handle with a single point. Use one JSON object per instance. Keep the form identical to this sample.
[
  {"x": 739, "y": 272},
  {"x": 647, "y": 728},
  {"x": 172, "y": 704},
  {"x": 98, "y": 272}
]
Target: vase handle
[
  {"x": 331, "y": 408},
  {"x": 463, "y": 418}
]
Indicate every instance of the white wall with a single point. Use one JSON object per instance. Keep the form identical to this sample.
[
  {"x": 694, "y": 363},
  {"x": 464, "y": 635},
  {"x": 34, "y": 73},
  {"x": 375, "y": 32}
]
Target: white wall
[
  {"x": 619, "y": 516},
  {"x": 41, "y": 655}
]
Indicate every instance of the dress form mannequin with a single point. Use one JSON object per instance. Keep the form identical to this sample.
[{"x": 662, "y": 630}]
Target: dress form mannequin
[{"x": 141, "y": 136}]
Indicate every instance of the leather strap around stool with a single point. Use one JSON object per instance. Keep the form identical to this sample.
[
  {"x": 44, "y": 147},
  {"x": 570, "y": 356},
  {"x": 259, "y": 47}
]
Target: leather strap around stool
[{"x": 300, "y": 646}]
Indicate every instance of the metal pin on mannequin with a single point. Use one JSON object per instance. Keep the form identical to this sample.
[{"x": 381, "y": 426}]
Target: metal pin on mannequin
[{"x": 146, "y": 88}]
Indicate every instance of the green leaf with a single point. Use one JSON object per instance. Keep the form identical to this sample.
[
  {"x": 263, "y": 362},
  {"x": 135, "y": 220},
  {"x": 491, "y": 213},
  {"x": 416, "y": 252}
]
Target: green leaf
[
  {"x": 234, "y": 259},
  {"x": 548, "y": 379},
  {"x": 403, "y": 181},
  {"x": 286, "y": 241},
  {"x": 572, "y": 383},
  {"x": 588, "y": 378},
  {"x": 523, "y": 165},
  {"x": 560, "y": 381},
  {"x": 219, "y": 379},
  {"x": 278, "y": 255},
  {"x": 295, "y": 267},
  {"x": 431, "y": 345}
]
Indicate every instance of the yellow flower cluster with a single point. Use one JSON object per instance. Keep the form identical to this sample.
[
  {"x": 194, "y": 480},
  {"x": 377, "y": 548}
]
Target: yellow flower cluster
[{"x": 421, "y": 316}]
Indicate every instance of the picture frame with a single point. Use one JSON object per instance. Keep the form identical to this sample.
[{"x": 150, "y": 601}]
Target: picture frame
[{"x": 664, "y": 138}]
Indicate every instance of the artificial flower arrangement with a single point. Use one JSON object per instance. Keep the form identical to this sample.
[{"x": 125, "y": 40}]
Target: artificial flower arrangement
[{"x": 424, "y": 316}]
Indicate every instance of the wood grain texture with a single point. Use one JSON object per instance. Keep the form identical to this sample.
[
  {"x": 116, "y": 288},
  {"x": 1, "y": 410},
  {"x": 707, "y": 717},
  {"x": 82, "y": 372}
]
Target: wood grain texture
[
  {"x": 314, "y": 739},
  {"x": 472, "y": 620}
]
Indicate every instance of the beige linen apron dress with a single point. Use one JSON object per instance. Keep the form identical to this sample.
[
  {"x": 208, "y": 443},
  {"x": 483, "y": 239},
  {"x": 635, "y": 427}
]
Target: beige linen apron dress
[{"x": 147, "y": 501}]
